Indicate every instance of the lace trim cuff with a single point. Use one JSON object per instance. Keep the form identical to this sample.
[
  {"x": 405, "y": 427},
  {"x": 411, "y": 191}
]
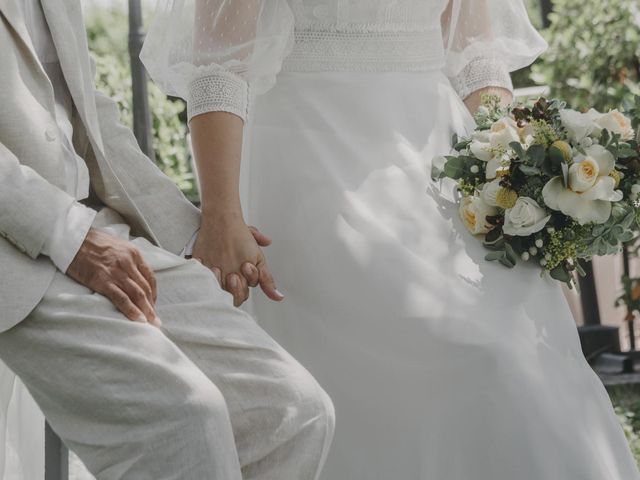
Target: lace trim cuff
[
  {"x": 221, "y": 91},
  {"x": 480, "y": 73}
]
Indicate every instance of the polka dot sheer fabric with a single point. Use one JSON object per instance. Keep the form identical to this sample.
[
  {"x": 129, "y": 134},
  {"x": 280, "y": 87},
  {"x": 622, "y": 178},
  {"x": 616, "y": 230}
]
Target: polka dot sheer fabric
[{"x": 210, "y": 51}]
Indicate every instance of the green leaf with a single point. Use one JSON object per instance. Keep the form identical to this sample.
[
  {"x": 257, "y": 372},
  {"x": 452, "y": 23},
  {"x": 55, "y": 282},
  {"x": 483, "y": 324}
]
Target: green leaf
[
  {"x": 561, "y": 274},
  {"x": 493, "y": 256},
  {"x": 527, "y": 170},
  {"x": 536, "y": 154},
  {"x": 512, "y": 256},
  {"x": 519, "y": 150}
]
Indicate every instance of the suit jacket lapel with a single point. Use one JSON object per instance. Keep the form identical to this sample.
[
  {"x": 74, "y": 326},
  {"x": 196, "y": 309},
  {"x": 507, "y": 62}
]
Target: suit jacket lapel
[
  {"x": 64, "y": 18},
  {"x": 11, "y": 11}
]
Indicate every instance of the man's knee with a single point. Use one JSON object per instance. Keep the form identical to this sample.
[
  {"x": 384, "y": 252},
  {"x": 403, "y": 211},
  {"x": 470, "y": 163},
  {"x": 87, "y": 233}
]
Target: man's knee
[{"x": 307, "y": 406}]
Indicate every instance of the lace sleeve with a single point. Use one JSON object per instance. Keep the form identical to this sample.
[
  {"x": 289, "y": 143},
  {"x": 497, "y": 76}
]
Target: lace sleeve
[
  {"x": 209, "y": 52},
  {"x": 485, "y": 41}
]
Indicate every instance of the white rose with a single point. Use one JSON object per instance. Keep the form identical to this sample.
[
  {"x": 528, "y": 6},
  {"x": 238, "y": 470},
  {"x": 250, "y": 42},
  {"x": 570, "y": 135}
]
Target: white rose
[
  {"x": 583, "y": 175},
  {"x": 525, "y": 218},
  {"x": 474, "y": 212},
  {"x": 635, "y": 191},
  {"x": 616, "y": 122},
  {"x": 580, "y": 125},
  {"x": 592, "y": 204},
  {"x": 489, "y": 192}
]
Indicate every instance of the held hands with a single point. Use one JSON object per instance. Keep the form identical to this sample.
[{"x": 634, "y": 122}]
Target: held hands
[
  {"x": 115, "y": 268},
  {"x": 232, "y": 251}
]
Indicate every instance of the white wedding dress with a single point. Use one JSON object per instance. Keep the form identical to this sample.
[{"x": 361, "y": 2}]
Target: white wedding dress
[{"x": 441, "y": 366}]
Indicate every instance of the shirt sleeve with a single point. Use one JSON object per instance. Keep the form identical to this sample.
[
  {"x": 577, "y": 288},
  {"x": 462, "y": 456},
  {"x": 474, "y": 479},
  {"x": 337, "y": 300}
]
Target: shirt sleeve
[
  {"x": 70, "y": 230},
  {"x": 485, "y": 41},
  {"x": 210, "y": 52}
]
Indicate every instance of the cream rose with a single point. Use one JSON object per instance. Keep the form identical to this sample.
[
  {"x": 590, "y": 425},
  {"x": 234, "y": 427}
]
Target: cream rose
[
  {"x": 616, "y": 122},
  {"x": 583, "y": 175},
  {"x": 526, "y": 217},
  {"x": 491, "y": 145},
  {"x": 474, "y": 212},
  {"x": 590, "y": 191},
  {"x": 489, "y": 191}
]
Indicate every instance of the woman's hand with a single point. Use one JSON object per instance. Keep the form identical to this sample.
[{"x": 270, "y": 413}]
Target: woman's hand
[
  {"x": 233, "y": 252},
  {"x": 474, "y": 100}
]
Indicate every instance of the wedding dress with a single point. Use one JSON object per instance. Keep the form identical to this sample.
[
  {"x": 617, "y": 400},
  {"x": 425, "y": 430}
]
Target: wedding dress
[{"x": 442, "y": 366}]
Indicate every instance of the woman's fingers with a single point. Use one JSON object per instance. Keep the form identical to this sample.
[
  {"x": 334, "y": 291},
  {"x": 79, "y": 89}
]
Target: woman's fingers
[
  {"x": 237, "y": 286},
  {"x": 268, "y": 284},
  {"x": 261, "y": 239},
  {"x": 251, "y": 274}
]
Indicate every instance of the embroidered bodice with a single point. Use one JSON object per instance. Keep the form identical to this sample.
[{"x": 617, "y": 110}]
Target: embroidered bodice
[{"x": 210, "y": 52}]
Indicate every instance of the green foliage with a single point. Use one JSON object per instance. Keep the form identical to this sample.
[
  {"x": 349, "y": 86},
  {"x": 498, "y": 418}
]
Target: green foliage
[
  {"x": 107, "y": 32},
  {"x": 626, "y": 400},
  {"x": 593, "y": 59}
]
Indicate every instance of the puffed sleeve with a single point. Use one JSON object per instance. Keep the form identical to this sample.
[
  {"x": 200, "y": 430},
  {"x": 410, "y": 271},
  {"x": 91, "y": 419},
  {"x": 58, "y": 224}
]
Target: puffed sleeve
[
  {"x": 485, "y": 40},
  {"x": 210, "y": 52}
]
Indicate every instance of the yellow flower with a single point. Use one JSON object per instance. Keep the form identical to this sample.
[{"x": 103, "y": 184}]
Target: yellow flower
[
  {"x": 506, "y": 198},
  {"x": 616, "y": 176}
]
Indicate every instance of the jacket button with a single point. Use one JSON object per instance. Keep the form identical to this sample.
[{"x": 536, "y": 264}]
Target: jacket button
[{"x": 51, "y": 134}]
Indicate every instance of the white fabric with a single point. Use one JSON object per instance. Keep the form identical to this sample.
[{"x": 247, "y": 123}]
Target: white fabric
[
  {"x": 68, "y": 235},
  {"x": 71, "y": 226},
  {"x": 208, "y": 396},
  {"x": 440, "y": 365},
  {"x": 251, "y": 39}
]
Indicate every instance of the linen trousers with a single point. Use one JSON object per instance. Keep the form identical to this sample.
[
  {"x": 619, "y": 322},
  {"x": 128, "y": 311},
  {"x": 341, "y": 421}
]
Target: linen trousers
[{"x": 209, "y": 395}]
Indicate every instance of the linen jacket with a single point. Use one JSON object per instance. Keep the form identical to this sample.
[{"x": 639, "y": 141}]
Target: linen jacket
[{"x": 32, "y": 162}]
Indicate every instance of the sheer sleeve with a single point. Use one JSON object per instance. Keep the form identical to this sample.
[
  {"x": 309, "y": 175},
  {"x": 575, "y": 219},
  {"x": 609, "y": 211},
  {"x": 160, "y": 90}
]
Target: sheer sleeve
[
  {"x": 209, "y": 52},
  {"x": 485, "y": 40}
]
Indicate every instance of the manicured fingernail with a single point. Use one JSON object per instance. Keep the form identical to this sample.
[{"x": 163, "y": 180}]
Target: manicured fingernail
[
  {"x": 279, "y": 293},
  {"x": 247, "y": 269},
  {"x": 141, "y": 319},
  {"x": 156, "y": 321},
  {"x": 233, "y": 281}
]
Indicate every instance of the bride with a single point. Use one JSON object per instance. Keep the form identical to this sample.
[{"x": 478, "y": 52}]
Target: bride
[{"x": 441, "y": 366}]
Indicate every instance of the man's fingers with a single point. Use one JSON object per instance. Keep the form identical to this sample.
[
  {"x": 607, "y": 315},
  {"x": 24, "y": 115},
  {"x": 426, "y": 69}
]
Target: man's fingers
[
  {"x": 123, "y": 303},
  {"x": 148, "y": 274},
  {"x": 141, "y": 280},
  {"x": 251, "y": 274},
  {"x": 268, "y": 284},
  {"x": 237, "y": 286},
  {"x": 139, "y": 298},
  {"x": 260, "y": 238}
]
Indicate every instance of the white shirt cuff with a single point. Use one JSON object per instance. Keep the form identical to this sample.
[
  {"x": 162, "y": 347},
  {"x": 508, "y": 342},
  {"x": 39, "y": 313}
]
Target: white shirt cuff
[{"x": 68, "y": 234}]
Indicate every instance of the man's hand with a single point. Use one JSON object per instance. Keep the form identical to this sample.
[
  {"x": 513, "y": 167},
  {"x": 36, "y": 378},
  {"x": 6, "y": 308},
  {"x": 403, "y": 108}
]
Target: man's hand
[
  {"x": 231, "y": 250},
  {"x": 115, "y": 268}
]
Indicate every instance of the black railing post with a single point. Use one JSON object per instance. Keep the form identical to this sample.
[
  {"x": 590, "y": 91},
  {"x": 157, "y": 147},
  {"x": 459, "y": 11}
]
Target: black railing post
[
  {"x": 546, "y": 6},
  {"x": 56, "y": 456},
  {"x": 141, "y": 115},
  {"x": 589, "y": 296}
]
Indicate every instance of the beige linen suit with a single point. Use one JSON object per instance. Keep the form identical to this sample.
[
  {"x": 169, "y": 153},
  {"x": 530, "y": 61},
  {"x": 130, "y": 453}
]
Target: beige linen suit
[{"x": 208, "y": 396}]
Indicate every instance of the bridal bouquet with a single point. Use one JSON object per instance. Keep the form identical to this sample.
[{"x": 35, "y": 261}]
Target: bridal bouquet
[{"x": 548, "y": 185}]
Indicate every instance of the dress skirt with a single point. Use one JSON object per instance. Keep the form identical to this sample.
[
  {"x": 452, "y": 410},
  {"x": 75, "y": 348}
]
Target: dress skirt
[{"x": 441, "y": 366}]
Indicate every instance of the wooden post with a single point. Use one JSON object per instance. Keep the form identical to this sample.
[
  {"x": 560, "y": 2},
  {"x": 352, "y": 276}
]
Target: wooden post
[{"x": 141, "y": 114}]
